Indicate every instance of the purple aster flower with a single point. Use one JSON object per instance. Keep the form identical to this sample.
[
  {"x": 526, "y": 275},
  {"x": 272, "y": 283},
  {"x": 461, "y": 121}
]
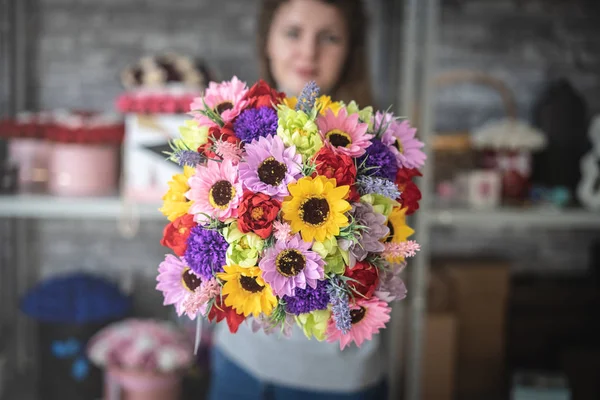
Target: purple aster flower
[
  {"x": 375, "y": 230},
  {"x": 379, "y": 160},
  {"x": 400, "y": 137},
  {"x": 308, "y": 96},
  {"x": 254, "y": 123},
  {"x": 340, "y": 307},
  {"x": 307, "y": 300},
  {"x": 290, "y": 265},
  {"x": 269, "y": 166},
  {"x": 391, "y": 286},
  {"x": 190, "y": 158},
  {"x": 205, "y": 253},
  {"x": 373, "y": 184}
]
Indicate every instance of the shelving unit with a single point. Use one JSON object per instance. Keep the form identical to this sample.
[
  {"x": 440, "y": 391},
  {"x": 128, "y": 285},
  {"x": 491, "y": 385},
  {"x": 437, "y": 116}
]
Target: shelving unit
[
  {"x": 422, "y": 19},
  {"x": 49, "y": 207}
]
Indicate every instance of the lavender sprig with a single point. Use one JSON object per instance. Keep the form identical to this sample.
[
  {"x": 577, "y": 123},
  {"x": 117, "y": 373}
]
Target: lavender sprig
[
  {"x": 308, "y": 97},
  {"x": 340, "y": 306},
  {"x": 382, "y": 186},
  {"x": 190, "y": 158}
]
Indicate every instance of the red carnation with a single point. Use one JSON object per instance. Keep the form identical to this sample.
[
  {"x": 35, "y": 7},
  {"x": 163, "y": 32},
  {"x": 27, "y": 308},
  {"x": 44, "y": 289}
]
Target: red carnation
[
  {"x": 410, "y": 193},
  {"x": 338, "y": 166},
  {"x": 262, "y": 95},
  {"x": 367, "y": 276},
  {"x": 219, "y": 311},
  {"x": 175, "y": 234},
  {"x": 257, "y": 212},
  {"x": 224, "y": 133}
]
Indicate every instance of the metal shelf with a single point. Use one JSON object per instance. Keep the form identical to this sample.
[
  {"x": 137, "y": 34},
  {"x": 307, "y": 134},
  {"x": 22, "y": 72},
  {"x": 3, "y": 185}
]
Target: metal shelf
[
  {"x": 49, "y": 207},
  {"x": 514, "y": 217}
]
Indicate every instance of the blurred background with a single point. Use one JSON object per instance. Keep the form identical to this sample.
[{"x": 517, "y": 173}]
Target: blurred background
[{"x": 506, "y": 94}]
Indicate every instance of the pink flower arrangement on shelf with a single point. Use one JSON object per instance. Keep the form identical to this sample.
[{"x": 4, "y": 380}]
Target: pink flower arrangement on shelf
[{"x": 142, "y": 346}]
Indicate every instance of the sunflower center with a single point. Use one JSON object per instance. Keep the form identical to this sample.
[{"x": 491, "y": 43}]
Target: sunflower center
[
  {"x": 271, "y": 171},
  {"x": 339, "y": 138},
  {"x": 190, "y": 280},
  {"x": 290, "y": 262},
  {"x": 220, "y": 194},
  {"x": 398, "y": 145},
  {"x": 314, "y": 211},
  {"x": 391, "y": 234},
  {"x": 357, "y": 315},
  {"x": 257, "y": 213},
  {"x": 249, "y": 283},
  {"x": 224, "y": 106}
]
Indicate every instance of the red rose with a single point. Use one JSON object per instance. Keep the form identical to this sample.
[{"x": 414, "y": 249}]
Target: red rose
[
  {"x": 410, "y": 193},
  {"x": 338, "y": 166},
  {"x": 262, "y": 95},
  {"x": 224, "y": 133},
  {"x": 175, "y": 234},
  {"x": 367, "y": 276},
  {"x": 257, "y": 212},
  {"x": 219, "y": 311}
]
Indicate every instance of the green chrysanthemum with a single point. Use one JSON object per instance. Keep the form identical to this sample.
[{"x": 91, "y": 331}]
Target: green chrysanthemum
[
  {"x": 335, "y": 258},
  {"x": 314, "y": 323},
  {"x": 192, "y": 135},
  {"x": 244, "y": 248},
  {"x": 381, "y": 204},
  {"x": 299, "y": 129},
  {"x": 365, "y": 115}
]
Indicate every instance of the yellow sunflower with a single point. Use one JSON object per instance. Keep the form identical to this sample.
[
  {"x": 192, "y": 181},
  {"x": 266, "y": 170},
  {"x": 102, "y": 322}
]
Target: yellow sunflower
[
  {"x": 324, "y": 103},
  {"x": 399, "y": 231},
  {"x": 175, "y": 203},
  {"x": 316, "y": 208},
  {"x": 246, "y": 290}
]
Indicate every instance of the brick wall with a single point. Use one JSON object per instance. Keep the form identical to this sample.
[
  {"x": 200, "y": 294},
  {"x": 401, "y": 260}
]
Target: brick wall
[{"x": 82, "y": 44}]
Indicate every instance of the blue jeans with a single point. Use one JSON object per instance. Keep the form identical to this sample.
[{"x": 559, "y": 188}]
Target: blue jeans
[{"x": 230, "y": 382}]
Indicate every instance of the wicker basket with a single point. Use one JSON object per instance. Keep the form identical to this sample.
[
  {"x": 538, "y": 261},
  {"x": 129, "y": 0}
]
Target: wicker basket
[{"x": 453, "y": 151}]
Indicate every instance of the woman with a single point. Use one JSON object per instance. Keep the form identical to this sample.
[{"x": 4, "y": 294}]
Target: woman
[{"x": 300, "y": 41}]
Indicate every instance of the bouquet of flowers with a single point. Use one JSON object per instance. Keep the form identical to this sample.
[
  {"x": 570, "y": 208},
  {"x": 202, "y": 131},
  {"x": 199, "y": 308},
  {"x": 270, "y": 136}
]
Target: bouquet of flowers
[{"x": 290, "y": 211}]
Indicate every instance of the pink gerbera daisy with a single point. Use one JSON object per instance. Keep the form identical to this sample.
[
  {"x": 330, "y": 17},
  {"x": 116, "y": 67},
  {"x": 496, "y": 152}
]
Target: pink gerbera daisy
[
  {"x": 400, "y": 137},
  {"x": 177, "y": 281},
  {"x": 344, "y": 133},
  {"x": 224, "y": 98},
  {"x": 215, "y": 190},
  {"x": 290, "y": 265},
  {"x": 367, "y": 318}
]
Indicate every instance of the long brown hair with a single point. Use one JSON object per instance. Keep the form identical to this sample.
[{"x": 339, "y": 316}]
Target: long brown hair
[{"x": 354, "y": 82}]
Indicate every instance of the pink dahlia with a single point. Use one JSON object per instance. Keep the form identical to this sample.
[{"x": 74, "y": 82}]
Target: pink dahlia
[
  {"x": 225, "y": 98},
  {"x": 367, "y": 318},
  {"x": 177, "y": 281},
  {"x": 215, "y": 190},
  {"x": 400, "y": 137},
  {"x": 290, "y": 265},
  {"x": 269, "y": 167},
  {"x": 343, "y": 133}
]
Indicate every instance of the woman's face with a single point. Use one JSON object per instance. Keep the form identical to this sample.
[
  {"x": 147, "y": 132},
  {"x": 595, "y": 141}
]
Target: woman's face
[{"x": 308, "y": 40}]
